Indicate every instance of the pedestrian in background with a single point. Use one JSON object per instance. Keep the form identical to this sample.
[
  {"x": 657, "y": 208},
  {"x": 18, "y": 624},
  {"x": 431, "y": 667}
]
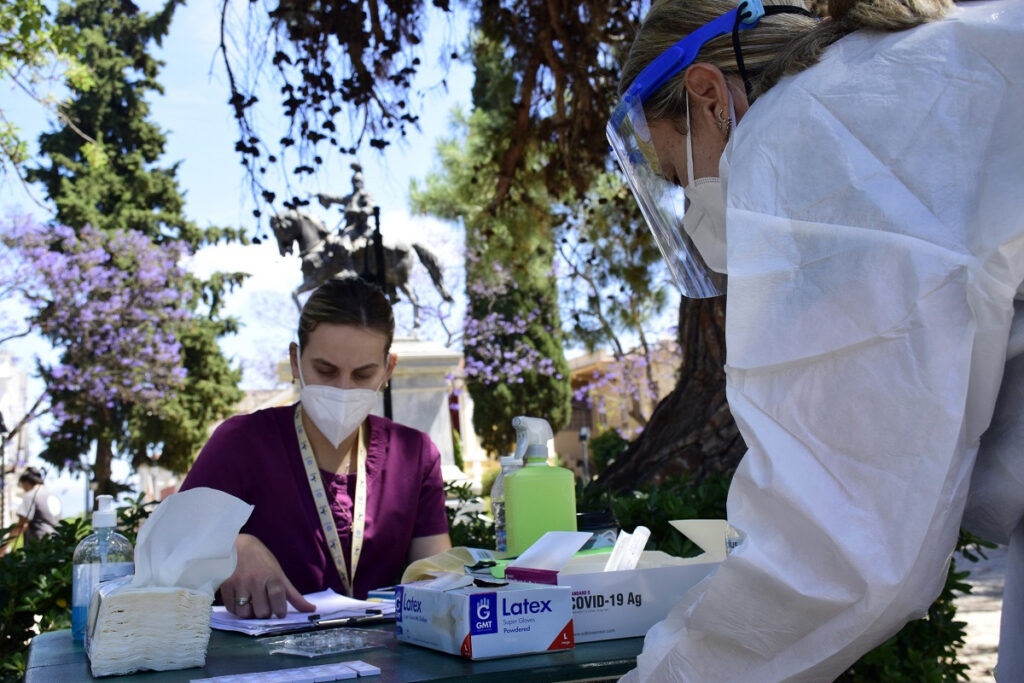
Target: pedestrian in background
[{"x": 39, "y": 511}]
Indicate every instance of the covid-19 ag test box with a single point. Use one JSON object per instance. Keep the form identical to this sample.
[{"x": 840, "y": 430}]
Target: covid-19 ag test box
[
  {"x": 624, "y": 603},
  {"x": 484, "y": 622}
]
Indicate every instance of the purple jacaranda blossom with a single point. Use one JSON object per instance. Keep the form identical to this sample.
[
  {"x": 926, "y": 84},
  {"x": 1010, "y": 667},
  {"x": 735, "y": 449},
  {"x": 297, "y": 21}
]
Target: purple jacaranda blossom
[{"x": 112, "y": 303}]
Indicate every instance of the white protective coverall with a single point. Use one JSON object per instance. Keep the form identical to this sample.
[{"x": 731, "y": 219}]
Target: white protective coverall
[{"x": 875, "y": 250}]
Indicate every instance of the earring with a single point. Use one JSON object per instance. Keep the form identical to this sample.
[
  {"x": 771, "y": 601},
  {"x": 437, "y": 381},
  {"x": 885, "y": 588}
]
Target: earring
[{"x": 724, "y": 124}]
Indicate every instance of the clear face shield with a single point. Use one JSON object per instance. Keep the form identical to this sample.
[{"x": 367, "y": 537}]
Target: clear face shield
[{"x": 662, "y": 203}]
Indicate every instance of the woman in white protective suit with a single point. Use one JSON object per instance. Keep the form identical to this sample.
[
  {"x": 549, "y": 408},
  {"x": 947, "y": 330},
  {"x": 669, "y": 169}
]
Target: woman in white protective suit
[{"x": 858, "y": 183}]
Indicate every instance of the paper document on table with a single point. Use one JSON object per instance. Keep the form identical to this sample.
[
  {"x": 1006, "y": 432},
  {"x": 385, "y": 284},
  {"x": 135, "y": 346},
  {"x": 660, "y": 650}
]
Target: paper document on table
[{"x": 329, "y": 607}]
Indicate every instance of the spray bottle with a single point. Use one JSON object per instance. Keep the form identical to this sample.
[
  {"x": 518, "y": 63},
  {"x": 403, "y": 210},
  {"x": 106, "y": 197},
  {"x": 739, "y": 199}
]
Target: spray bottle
[
  {"x": 99, "y": 557},
  {"x": 538, "y": 498}
]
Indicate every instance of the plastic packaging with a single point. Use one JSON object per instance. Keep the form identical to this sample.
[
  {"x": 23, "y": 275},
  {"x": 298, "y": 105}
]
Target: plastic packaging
[
  {"x": 733, "y": 538},
  {"x": 101, "y": 556},
  {"x": 332, "y": 641},
  {"x": 628, "y": 549},
  {"x": 509, "y": 464},
  {"x": 538, "y": 498},
  {"x": 600, "y": 523}
]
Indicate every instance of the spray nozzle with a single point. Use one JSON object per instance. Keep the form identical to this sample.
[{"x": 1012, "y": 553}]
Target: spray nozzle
[
  {"x": 531, "y": 431},
  {"x": 105, "y": 514}
]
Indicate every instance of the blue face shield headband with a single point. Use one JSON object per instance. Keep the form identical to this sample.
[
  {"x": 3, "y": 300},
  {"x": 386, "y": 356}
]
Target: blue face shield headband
[{"x": 661, "y": 202}]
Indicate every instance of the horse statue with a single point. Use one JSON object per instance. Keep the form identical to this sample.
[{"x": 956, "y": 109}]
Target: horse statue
[{"x": 325, "y": 255}]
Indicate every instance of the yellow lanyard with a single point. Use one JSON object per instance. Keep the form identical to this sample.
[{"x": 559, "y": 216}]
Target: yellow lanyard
[{"x": 323, "y": 507}]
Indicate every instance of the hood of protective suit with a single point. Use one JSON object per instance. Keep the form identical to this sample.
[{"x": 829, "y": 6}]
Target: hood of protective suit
[{"x": 875, "y": 234}]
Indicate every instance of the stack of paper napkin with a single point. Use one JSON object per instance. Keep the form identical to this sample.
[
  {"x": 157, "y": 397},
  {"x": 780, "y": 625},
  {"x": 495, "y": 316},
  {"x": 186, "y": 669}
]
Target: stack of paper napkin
[{"x": 160, "y": 618}]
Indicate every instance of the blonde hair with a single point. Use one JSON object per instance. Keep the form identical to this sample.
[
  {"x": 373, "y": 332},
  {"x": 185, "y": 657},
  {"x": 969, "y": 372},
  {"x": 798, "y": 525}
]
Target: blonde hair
[{"x": 780, "y": 44}]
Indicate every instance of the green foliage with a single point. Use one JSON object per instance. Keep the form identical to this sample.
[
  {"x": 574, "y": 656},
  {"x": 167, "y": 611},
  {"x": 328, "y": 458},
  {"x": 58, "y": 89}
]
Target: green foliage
[
  {"x": 605, "y": 448},
  {"x": 125, "y": 189},
  {"x": 457, "y": 449},
  {"x": 210, "y": 393},
  {"x": 512, "y": 338},
  {"x": 33, "y": 49},
  {"x": 116, "y": 182},
  {"x": 35, "y": 584},
  {"x": 131, "y": 517},
  {"x": 468, "y": 522},
  {"x": 487, "y": 481},
  {"x": 534, "y": 381},
  {"x": 679, "y": 498}
]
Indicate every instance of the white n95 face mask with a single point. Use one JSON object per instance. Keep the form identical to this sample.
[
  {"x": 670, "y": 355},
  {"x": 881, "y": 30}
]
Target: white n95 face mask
[
  {"x": 704, "y": 221},
  {"x": 335, "y": 412},
  {"x": 704, "y": 218}
]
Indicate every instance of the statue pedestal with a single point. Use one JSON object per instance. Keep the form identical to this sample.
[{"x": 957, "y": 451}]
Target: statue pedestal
[{"x": 420, "y": 394}]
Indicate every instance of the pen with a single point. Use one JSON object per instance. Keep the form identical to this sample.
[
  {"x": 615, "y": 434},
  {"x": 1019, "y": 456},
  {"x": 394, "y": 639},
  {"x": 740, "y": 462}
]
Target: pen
[{"x": 369, "y": 616}]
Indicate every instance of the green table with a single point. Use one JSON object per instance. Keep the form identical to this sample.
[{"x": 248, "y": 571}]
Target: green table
[{"x": 55, "y": 658}]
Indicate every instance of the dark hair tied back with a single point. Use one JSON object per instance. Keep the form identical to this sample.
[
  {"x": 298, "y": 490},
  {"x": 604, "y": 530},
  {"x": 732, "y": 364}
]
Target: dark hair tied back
[{"x": 348, "y": 301}]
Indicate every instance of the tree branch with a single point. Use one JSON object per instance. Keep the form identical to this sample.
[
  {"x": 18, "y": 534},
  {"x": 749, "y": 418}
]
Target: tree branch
[
  {"x": 378, "y": 31},
  {"x": 514, "y": 153},
  {"x": 26, "y": 418},
  {"x": 619, "y": 353},
  {"x": 15, "y": 336}
]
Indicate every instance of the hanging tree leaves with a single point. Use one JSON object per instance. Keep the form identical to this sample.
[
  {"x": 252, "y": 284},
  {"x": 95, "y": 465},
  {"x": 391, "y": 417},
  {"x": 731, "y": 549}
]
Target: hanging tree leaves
[{"x": 345, "y": 71}]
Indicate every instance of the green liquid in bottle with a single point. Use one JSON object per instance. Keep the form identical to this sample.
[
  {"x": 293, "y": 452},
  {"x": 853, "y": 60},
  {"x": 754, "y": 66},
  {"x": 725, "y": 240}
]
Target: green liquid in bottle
[{"x": 538, "y": 499}]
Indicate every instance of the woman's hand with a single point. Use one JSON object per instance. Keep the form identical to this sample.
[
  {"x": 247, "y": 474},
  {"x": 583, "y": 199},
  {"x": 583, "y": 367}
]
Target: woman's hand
[{"x": 259, "y": 588}]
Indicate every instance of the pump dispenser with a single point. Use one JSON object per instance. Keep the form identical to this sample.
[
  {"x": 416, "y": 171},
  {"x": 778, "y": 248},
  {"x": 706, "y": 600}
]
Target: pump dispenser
[
  {"x": 99, "y": 557},
  {"x": 538, "y": 497}
]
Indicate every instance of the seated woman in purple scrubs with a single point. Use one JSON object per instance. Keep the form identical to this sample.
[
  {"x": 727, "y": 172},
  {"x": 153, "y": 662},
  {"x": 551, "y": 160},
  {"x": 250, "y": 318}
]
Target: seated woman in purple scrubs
[{"x": 343, "y": 499}]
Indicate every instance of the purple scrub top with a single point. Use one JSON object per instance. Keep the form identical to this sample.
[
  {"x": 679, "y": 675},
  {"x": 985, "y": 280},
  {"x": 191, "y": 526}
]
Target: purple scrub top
[{"x": 255, "y": 457}]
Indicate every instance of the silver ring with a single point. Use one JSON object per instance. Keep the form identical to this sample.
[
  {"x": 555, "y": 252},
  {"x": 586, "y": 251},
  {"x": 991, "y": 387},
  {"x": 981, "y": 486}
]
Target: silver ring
[{"x": 242, "y": 602}]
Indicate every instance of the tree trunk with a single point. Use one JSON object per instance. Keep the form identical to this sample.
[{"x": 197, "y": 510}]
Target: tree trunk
[
  {"x": 101, "y": 470},
  {"x": 691, "y": 430}
]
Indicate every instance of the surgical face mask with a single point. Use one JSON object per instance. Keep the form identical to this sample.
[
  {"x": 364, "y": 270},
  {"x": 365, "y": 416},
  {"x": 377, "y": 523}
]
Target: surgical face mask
[
  {"x": 335, "y": 412},
  {"x": 704, "y": 218}
]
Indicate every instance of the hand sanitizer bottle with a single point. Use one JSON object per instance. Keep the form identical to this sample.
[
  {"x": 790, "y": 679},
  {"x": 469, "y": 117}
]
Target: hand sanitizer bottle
[
  {"x": 509, "y": 464},
  {"x": 538, "y": 498},
  {"x": 99, "y": 557}
]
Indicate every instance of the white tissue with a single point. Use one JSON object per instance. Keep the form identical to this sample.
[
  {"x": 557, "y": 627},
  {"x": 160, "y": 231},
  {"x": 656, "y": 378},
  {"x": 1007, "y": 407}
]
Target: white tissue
[
  {"x": 189, "y": 541},
  {"x": 161, "y": 619}
]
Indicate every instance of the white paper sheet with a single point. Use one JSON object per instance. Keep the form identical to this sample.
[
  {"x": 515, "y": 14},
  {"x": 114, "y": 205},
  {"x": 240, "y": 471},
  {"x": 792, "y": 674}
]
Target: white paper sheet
[{"x": 329, "y": 606}]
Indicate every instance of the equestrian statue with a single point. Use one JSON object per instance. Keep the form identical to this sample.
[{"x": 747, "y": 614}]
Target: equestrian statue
[{"x": 350, "y": 250}]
